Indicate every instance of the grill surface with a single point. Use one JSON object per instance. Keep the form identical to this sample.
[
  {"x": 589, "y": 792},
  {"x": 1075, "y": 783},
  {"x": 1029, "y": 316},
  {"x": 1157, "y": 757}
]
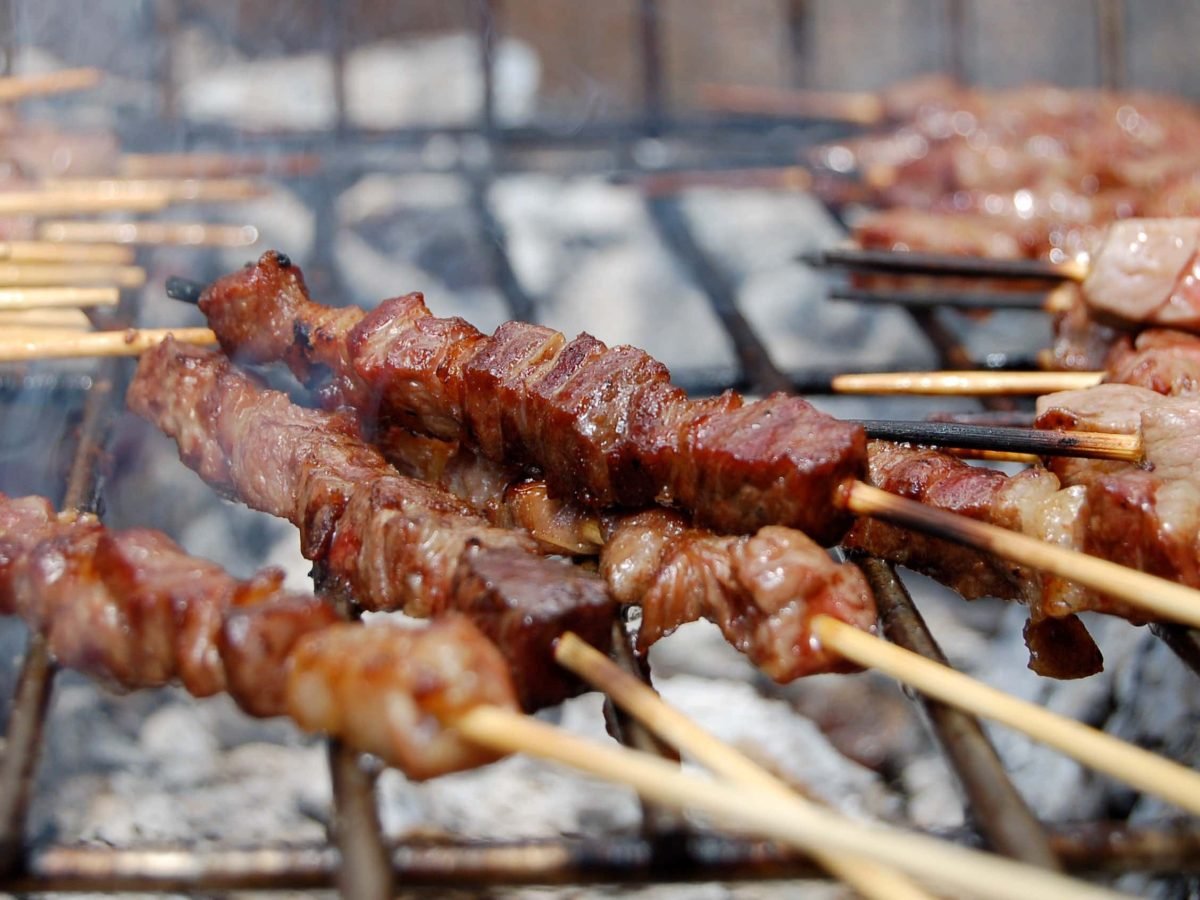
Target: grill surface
[{"x": 361, "y": 861}]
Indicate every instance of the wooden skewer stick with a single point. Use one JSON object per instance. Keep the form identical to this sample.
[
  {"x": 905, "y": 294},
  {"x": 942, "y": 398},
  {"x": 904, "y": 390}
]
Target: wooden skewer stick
[
  {"x": 967, "y": 382},
  {"x": 52, "y": 251},
  {"x": 52, "y": 274},
  {"x": 47, "y": 297},
  {"x": 1144, "y": 770},
  {"x": 1055, "y": 301},
  {"x": 787, "y": 820},
  {"x": 904, "y": 262},
  {"x": 655, "y": 184},
  {"x": 63, "y": 318},
  {"x": 131, "y": 342},
  {"x": 1159, "y": 597},
  {"x": 1040, "y": 441},
  {"x": 1028, "y": 459},
  {"x": 640, "y": 701},
  {"x": 214, "y": 165},
  {"x": 20, "y": 87},
  {"x": 855, "y": 107},
  {"x": 193, "y": 234},
  {"x": 221, "y": 190},
  {"x": 63, "y": 203}
]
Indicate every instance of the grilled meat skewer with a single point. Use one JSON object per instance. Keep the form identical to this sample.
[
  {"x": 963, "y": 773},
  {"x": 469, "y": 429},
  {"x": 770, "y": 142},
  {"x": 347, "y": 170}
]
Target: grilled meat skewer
[
  {"x": 391, "y": 542},
  {"x": 659, "y": 560},
  {"x": 131, "y": 609},
  {"x": 354, "y": 512},
  {"x": 603, "y": 425}
]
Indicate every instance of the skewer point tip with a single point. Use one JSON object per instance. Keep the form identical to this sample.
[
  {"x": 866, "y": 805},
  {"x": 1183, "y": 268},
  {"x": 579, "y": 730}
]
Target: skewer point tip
[{"x": 184, "y": 289}]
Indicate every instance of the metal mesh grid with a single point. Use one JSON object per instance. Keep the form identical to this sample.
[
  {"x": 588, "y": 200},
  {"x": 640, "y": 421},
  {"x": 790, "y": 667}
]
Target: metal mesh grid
[{"x": 361, "y": 862}]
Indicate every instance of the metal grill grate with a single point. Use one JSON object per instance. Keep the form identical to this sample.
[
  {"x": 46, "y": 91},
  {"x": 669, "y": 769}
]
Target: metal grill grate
[{"x": 364, "y": 863}]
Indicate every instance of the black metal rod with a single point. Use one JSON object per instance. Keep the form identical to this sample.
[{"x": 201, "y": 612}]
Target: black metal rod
[
  {"x": 758, "y": 369},
  {"x": 1101, "y": 847},
  {"x": 1110, "y": 32},
  {"x": 997, "y": 809},
  {"x": 650, "y": 34},
  {"x": 184, "y": 289},
  {"x": 974, "y": 300},
  {"x": 26, "y": 722},
  {"x": 914, "y": 263},
  {"x": 981, "y": 437}
]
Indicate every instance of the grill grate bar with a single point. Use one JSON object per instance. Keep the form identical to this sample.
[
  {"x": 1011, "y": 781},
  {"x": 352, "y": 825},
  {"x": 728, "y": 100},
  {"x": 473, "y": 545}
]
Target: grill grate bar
[
  {"x": 659, "y": 823},
  {"x": 364, "y": 871},
  {"x": 756, "y": 366},
  {"x": 1094, "y": 847},
  {"x": 26, "y": 724},
  {"x": 520, "y": 305},
  {"x": 1000, "y": 813}
]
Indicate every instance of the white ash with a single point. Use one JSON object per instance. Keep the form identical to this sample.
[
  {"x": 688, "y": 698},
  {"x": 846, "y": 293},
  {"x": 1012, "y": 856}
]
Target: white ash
[
  {"x": 437, "y": 81},
  {"x": 378, "y": 274},
  {"x": 756, "y": 236},
  {"x": 590, "y": 256},
  {"x": 771, "y": 733},
  {"x": 157, "y": 766},
  {"x": 283, "y": 219},
  {"x": 525, "y": 798}
]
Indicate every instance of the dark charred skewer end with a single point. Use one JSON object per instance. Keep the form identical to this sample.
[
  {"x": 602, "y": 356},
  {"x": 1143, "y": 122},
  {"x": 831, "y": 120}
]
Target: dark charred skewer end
[{"x": 184, "y": 289}]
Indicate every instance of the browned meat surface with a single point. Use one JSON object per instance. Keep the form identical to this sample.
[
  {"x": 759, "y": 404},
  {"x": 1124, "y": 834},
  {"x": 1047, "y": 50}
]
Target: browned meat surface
[
  {"x": 133, "y": 610},
  {"x": 762, "y": 590},
  {"x": 1080, "y": 343},
  {"x": 1034, "y": 502},
  {"x": 952, "y": 139},
  {"x": 603, "y": 425},
  {"x": 1161, "y": 360},
  {"x": 1145, "y": 515},
  {"x": 396, "y": 691},
  {"x": 1061, "y": 648},
  {"x": 391, "y": 542},
  {"x": 1145, "y": 273},
  {"x": 938, "y": 232},
  {"x": 1031, "y": 502},
  {"x": 523, "y": 605},
  {"x": 949, "y": 483}
]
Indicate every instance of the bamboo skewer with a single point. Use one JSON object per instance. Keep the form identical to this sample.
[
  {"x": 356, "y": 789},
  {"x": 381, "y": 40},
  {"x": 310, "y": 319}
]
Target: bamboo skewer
[
  {"x": 1140, "y": 768},
  {"x": 654, "y": 184},
  {"x": 1043, "y": 442},
  {"x": 967, "y": 382},
  {"x": 1161, "y": 598},
  {"x": 213, "y": 165},
  {"x": 129, "y": 342},
  {"x": 854, "y": 107},
  {"x": 65, "y": 317},
  {"x": 176, "y": 189},
  {"x": 641, "y": 701},
  {"x": 64, "y": 202},
  {"x": 916, "y": 263},
  {"x": 790, "y": 821},
  {"x": 55, "y": 274},
  {"x": 1055, "y": 301},
  {"x": 196, "y": 234},
  {"x": 51, "y": 251},
  {"x": 21, "y": 87},
  {"x": 51, "y": 297}
]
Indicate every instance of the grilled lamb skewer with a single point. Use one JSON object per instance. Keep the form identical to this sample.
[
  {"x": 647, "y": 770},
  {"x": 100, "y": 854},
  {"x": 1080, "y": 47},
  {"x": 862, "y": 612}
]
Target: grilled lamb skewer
[
  {"x": 133, "y": 610},
  {"x": 1140, "y": 273},
  {"x": 391, "y": 542},
  {"x": 310, "y": 466},
  {"x": 604, "y": 425},
  {"x": 658, "y": 560}
]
